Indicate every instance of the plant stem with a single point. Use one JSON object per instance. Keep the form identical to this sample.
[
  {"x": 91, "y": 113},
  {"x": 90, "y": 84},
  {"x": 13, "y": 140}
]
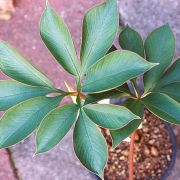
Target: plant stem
[{"x": 131, "y": 157}]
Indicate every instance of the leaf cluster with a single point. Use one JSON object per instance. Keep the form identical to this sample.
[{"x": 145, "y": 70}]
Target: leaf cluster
[{"x": 100, "y": 74}]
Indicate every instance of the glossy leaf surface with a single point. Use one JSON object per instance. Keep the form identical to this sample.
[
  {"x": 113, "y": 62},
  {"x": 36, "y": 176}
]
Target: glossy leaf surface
[
  {"x": 89, "y": 145},
  {"x": 163, "y": 106},
  {"x": 159, "y": 48},
  {"x": 120, "y": 134},
  {"x": 12, "y": 93},
  {"x": 172, "y": 90},
  {"x": 109, "y": 116},
  {"x": 130, "y": 40},
  {"x": 57, "y": 38},
  {"x": 100, "y": 26},
  {"x": 55, "y": 126},
  {"x": 114, "y": 70},
  {"x": 172, "y": 75},
  {"x": 122, "y": 91},
  {"x": 19, "y": 68},
  {"x": 22, "y": 119}
]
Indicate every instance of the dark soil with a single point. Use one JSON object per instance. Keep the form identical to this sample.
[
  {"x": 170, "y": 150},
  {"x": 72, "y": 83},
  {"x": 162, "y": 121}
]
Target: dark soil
[{"x": 153, "y": 152}]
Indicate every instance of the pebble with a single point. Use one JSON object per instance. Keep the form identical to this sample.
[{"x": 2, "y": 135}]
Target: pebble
[
  {"x": 146, "y": 151},
  {"x": 154, "y": 151},
  {"x": 152, "y": 141}
]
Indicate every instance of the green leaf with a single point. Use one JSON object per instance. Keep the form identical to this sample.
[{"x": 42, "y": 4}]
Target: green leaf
[
  {"x": 57, "y": 38},
  {"x": 172, "y": 75},
  {"x": 55, "y": 126},
  {"x": 159, "y": 48},
  {"x": 100, "y": 26},
  {"x": 122, "y": 91},
  {"x": 114, "y": 70},
  {"x": 89, "y": 145},
  {"x": 21, "y": 120},
  {"x": 129, "y": 39},
  {"x": 19, "y": 68},
  {"x": 109, "y": 116},
  {"x": 120, "y": 134},
  {"x": 163, "y": 106},
  {"x": 12, "y": 93},
  {"x": 172, "y": 90}
]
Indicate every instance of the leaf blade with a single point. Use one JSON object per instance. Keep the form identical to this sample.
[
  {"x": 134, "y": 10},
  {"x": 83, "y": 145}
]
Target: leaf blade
[
  {"x": 114, "y": 70},
  {"x": 122, "y": 91},
  {"x": 57, "y": 38},
  {"x": 19, "y": 68},
  {"x": 130, "y": 40},
  {"x": 12, "y": 93},
  {"x": 159, "y": 48},
  {"x": 89, "y": 145},
  {"x": 22, "y": 119},
  {"x": 109, "y": 116},
  {"x": 100, "y": 25},
  {"x": 55, "y": 126},
  {"x": 163, "y": 106},
  {"x": 171, "y": 90},
  {"x": 120, "y": 134},
  {"x": 172, "y": 75}
]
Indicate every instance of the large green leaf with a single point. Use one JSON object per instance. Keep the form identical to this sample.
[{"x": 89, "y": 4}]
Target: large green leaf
[
  {"x": 109, "y": 116},
  {"x": 89, "y": 145},
  {"x": 100, "y": 26},
  {"x": 129, "y": 39},
  {"x": 120, "y": 134},
  {"x": 57, "y": 38},
  {"x": 22, "y": 119},
  {"x": 159, "y": 48},
  {"x": 122, "y": 91},
  {"x": 55, "y": 126},
  {"x": 172, "y": 90},
  {"x": 12, "y": 93},
  {"x": 172, "y": 75},
  {"x": 114, "y": 70},
  {"x": 163, "y": 106},
  {"x": 19, "y": 68}
]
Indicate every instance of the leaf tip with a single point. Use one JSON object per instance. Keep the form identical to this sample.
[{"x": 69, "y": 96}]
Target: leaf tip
[
  {"x": 114, "y": 145},
  {"x": 38, "y": 152},
  {"x": 154, "y": 64}
]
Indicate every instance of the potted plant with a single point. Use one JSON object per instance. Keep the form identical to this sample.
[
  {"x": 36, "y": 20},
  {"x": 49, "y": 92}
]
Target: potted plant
[
  {"x": 163, "y": 82},
  {"x": 98, "y": 76}
]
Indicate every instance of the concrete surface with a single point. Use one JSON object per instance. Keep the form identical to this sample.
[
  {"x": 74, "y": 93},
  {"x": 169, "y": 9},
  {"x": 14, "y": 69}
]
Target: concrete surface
[
  {"x": 6, "y": 166},
  {"x": 58, "y": 164}
]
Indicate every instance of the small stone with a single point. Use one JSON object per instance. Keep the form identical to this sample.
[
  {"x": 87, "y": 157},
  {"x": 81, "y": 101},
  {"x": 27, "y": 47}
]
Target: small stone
[
  {"x": 154, "y": 151},
  {"x": 152, "y": 141},
  {"x": 122, "y": 158},
  {"x": 125, "y": 153},
  {"x": 145, "y": 129},
  {"x": 156, "y": 130},
  {"x": 146, "y": 151},
  {"x": 168, "y": 157}
]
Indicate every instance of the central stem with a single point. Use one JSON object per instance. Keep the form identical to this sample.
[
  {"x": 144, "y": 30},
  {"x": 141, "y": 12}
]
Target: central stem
[{"x": 131, "y": 157}]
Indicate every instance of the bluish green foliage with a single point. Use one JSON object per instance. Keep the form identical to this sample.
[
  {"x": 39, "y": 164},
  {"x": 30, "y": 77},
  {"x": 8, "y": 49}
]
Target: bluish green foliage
[{"x": 100, "y": 74}]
